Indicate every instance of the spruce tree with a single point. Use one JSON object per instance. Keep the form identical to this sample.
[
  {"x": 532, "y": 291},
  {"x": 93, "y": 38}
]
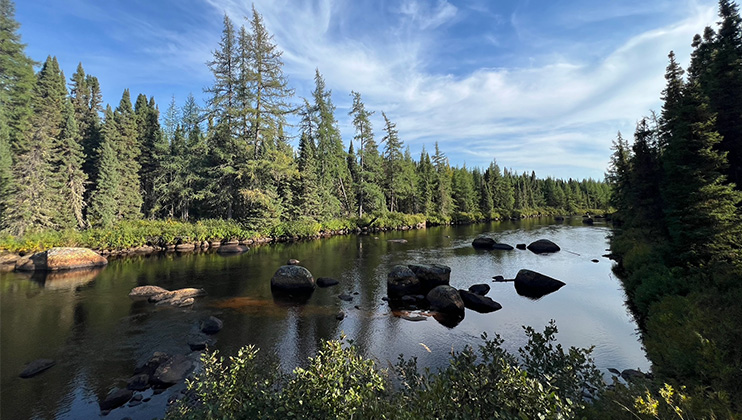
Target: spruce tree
[
  {"x": 128, "y": 150},
  {"x": 6, "y": 167},
  {"x": 334, "y": 177},
  {"x": 426, "y": 180},
  {"x": 149, "y": 138},
  {"x": 70, "y": 164},
  {"x": 700, "y": 208},
  {"x": 16, "y": 78},
  {"x": 36, "y": 195},
  {"x": 443, "y": 203},
  {"x": 369, "y": 194},
  {"x": 104, "y": 205},
  {"x": 393, "y": 164},
  {"x": 86, "y": 100}
]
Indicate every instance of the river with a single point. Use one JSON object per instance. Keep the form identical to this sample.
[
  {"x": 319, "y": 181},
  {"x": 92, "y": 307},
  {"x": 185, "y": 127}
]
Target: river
[{"x": 97, "y": 335}]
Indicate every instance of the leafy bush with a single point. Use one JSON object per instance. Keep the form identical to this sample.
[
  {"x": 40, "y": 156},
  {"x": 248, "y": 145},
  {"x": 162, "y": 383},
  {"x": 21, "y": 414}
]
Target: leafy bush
[{"x": 339, "y": 383}]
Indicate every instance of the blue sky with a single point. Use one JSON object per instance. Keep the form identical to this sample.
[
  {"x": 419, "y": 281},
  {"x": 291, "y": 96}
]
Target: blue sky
[{"x": 538, "y": 85}]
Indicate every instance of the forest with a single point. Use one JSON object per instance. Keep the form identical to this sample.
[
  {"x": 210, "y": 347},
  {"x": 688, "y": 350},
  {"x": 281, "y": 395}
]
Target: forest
[
  {"x": 678, "y": 236},
  {"x": 69, "y": 162}
]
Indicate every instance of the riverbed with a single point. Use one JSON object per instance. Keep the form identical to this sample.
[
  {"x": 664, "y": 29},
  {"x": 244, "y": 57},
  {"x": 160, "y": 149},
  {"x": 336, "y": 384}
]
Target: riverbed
[{"x": 97, "y": 335}]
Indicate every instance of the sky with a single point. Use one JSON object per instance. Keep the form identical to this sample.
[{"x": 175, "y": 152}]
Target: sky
[{"x": 537, "y": 85}]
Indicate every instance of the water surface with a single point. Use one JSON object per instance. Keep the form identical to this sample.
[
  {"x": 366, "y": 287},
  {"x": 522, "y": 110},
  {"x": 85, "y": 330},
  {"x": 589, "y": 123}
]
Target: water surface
[{"x": 97, "y": 335}]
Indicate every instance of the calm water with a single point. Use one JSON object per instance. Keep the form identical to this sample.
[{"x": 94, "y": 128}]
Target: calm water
[{"x": 98, "y": 335}]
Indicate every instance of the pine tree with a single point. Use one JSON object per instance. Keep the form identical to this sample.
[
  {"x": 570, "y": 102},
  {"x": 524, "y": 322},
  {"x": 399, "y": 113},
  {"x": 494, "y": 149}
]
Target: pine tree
[{"x": 223, "y": 103}]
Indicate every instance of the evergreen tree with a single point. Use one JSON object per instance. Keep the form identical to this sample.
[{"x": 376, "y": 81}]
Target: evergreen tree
[
  {"x": 394, "y": 183},
  {"x": 191, "y": 115},
  {"x": 308, "y": 194},
  {"x": 150, "y": 140},
  {"x": 70, "y": 164},
  {"x": 619, "y": 177},
  {"x": 646, "y": 178},
  {"x": 128, "y": 150},
  {"x": 104, "y": 200},
  {"x": 16, "y": 78},
  {"x": 463, "y": 195},
  {"x": 36, "y": 198},
  {"x": 369, "y": 194},
  {"x": 268, "y": 87},
  {"x": 86, "y": 100},
  {"x": 426, "y": 181},
  {"x": 700, "y": 208},
  {"x": 442, "y": 201},
  {"x": 6, "y": 167},
  {"x": 334, "y": 177}
]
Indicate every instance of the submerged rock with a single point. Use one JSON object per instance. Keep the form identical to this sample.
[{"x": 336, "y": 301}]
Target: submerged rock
[
  {"x": 36, "y": 367},
  {"x": 178, "y": 297},
  {"x": 502, "y": 247},
  {"x": 345, "y": 297},
  {"x": 211, "y": 325},
  {"x": 172, "y": 371},
  {"x": 232, "y": 248},
  {"x": 326, "y": 282},
  {"x": 543, "y": 246},
  {"x": 116, "y": 398},
  {"x": 61, "y": 259}
]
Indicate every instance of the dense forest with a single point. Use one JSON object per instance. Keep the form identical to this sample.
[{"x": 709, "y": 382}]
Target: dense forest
[
  {"x": 70, "y": 162},
  {"x": 679, "y": 221}
]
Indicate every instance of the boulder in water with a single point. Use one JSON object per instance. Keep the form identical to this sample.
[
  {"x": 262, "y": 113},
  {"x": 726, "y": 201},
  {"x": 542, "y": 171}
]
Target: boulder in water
[
  {"x": 483, "y": 242},
  {"x": 479, "y": 303},
  {"x": 543, "y": 246},
  {"x": 431, "y": 275},
  {"x": 445, "y": 299},
  {"x": 293, "y": 279},
  {"x": 61, "y": 259},
  {"x": 402, "y": 281},
  {"x": 480, "y": 289},
  {"x": 535, "y": 285},
  {"x": 116, "y": 398}
]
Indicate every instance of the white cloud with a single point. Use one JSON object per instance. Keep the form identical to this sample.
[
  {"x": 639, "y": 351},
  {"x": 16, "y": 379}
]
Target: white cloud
[{"x": 558, "y": 115}]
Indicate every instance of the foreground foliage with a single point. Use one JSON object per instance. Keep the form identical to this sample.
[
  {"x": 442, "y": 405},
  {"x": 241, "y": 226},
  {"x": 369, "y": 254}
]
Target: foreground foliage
[{"x": 546, "y": 382}]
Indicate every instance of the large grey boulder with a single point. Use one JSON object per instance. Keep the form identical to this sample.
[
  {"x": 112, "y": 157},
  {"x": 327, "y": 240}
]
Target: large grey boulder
[
  {"x": 543, "y": 246},
  {"x": 61, "y": 259},
  {"x": 431, "y": 275},
  {"x": 479, "y": 303},
  {"x": 402, "y": 281},
  {"x": 293, "y": 279},
  {"x": 445, "y": 299},
  {"x": 535, "y": 285}
]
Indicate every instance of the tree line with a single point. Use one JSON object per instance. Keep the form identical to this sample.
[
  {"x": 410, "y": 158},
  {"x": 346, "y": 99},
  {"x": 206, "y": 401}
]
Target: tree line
[
  {"x": 68, "y": 161},
  {"x": 677, "y": 192}
]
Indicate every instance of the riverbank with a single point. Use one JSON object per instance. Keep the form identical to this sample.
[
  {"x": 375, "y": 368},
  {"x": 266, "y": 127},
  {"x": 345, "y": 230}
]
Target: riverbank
[{"x": 141, "y": 237}]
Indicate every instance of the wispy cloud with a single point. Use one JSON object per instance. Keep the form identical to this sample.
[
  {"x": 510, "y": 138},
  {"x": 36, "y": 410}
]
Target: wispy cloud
[{"x": 536, "y": 85}]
